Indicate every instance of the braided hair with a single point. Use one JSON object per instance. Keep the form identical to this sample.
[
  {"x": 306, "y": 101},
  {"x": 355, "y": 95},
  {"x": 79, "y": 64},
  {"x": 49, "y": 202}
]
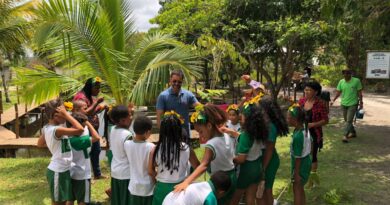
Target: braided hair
[
  {"x": 170, "y": 143},
  {"x": 275, "y": 115}
]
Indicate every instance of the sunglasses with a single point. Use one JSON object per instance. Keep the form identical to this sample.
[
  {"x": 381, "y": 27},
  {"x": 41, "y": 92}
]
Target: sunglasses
[{"x": 177, "y": 82}]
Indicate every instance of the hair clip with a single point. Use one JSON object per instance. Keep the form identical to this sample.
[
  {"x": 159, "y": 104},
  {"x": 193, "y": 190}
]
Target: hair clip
[
  {"x": 174, "y": 114},
  {"x": 68, "y": 106}
]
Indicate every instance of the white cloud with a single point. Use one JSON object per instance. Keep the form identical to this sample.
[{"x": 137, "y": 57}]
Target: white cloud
[{"x": 143, "y": 10}]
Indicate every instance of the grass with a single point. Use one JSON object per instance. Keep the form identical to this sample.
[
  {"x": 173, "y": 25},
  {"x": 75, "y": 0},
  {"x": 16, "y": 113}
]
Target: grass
[{"x": 354, "y": 171}]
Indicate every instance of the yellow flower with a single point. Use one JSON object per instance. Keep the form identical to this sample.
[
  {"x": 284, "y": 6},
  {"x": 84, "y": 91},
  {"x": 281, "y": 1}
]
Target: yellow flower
[
  {"x": 194, "y": 117},
  {"x": 232, "y": 107},
  {"x": 294, "y": 105},
  {"x": 98, "y": 80},
  {"x": 68, "y": 106},
  {"x": 173, "y": 113}
]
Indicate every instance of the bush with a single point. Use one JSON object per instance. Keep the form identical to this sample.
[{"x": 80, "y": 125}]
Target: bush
[{"x": 328, "y": 75}]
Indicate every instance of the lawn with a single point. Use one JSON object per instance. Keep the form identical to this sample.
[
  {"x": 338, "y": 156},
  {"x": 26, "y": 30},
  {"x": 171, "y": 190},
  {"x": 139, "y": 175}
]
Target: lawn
[{"x": 356, "y": 173}]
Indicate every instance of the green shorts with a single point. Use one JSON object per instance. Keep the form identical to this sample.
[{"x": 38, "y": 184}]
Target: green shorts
[
  {"x": 60, "y": 185},
  {"x": 161, "y": 190},
  {"x": 305, "y": 169},
  {"x": 140, "y": 200},
  {"x": 119, "y": 191},
  {"x": 250, "y": 173},
  {"x": 81, "y": 190},
  {"x": 229, "y": 194},
  {"x": 271, "y": 170}
]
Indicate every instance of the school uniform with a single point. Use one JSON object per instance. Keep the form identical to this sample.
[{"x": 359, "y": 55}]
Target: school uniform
[
  {"x": 167, "y": 179},
  {"x": 273, "y": 164},
  {"x": 301, "y": 148},
  {"x": 58, "y": 174},
  {"x": 201, "y": 193},
  {"x": 120, "y": 168},
  {"x": 141, "y": 184},
  {"x": 80, "y": 170},
  {"x": 223, "y": 154},
  {"x": 250, "y": 170}
]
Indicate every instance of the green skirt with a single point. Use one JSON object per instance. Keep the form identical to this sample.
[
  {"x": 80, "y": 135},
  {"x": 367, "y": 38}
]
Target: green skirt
[
  {"x": 250, "y": 173},
  {"x": 271, "y": 170},
  {"x": 161, "y": 190},
  {"x": 229, "y": 194},
  {"x": 140, "y": 200}
]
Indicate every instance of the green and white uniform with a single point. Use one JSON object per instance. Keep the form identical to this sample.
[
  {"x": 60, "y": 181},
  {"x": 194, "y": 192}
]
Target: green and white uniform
[
  {"x": 168, "y": 178},
  {"x": 301, "y": 148},
  {"x": 120, "y": 168},
  {"x": 141, "y": 184},
  {"x": 201, "y": 193},
  {"x": 250, "y": 170},
  {"x": 58, "y": 175},
  {"x": 223, "y": 155},
  {"x": 80, "y": 170},
  {"x": 273, "y": 164}
]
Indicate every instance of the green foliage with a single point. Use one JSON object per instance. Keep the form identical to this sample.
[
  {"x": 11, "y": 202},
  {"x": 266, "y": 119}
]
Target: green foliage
[
  {"x": 209, "y": 94},
  {"x": 89, "y": 39},
  {"x": 328, "y": 75},
  {"x": 332, "y": 197}
]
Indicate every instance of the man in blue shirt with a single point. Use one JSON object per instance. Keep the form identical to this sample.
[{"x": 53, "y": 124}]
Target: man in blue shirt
[{"x": 177, "y": 99}]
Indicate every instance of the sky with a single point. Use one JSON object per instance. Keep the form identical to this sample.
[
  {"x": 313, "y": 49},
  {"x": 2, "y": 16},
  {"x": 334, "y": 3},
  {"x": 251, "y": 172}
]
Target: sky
[{"x": 143, "y": 11}]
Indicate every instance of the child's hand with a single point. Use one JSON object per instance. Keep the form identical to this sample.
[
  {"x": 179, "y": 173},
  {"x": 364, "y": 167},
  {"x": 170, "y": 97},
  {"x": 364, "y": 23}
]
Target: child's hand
[
  {"x": 61, "y": 111},
  {"x": 100, "y": 100},
  {"x": 224, "y": 129},
  {"x": 297, "y": 178},
  {"x": 181, "y": 187}
]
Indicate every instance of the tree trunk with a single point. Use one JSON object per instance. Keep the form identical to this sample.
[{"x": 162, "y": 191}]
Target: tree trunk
[
  {"x": 7, "y": 99},
  {"x": 206, "y": 75}
]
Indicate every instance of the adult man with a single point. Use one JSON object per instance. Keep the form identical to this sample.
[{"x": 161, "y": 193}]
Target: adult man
[
  {"x": 350, "y": 89},
  {"x": 177, "y": 99}
]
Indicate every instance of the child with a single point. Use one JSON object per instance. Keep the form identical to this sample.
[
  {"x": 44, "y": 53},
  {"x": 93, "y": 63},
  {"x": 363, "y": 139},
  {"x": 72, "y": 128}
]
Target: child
[
  {"x": 219, "y": 150},
  {"x": 233, "y": 117},
  {"x": 56, "y": 138},
  {"x": 250, "y": 143},
  {"x": 202, "y": 193},
  {"x": 277, "y": 126},
  {"x": 171, "y": 157},
  {"x": 80, "y": 171},
  {"x": 120, "y": 168},
  {"x": 300, "y": 153},
  {"x": 138, "y": 150}
]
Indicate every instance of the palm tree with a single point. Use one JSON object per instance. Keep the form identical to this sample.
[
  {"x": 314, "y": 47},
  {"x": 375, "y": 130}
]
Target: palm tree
[
  {"x": 13, "y": 34},
  {"x": 96, "y": 38}
]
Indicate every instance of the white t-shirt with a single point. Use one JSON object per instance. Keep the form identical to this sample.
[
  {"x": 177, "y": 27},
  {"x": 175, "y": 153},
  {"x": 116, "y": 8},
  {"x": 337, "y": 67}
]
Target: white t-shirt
[
  {"x": 81, "y": 163},
  {"x": 165, "y": 175},
  {"x": 196, "y": 194},
  {"x": 120, "y": 168},
  {"x": 223, "y": 150},
  {"x": 141, "y": 184},
  {"x": 235, "y": 127},
  {"x": 59, "y": 148}
]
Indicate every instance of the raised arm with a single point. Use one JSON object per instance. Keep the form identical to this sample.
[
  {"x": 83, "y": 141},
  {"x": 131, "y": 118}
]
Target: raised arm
[
  {"x": 94, "y": 134},
  {"x": 77, "y": 128}
]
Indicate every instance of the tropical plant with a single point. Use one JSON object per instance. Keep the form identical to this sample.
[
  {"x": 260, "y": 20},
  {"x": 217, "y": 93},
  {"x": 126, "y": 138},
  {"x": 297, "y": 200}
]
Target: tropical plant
[
  {"x": 13, "y": 34},
  {"x": 97, "y": 38}
]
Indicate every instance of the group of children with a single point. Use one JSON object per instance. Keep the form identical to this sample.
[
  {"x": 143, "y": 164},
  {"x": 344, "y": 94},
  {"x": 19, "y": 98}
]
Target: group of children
[{"x": 239, "y": 155}]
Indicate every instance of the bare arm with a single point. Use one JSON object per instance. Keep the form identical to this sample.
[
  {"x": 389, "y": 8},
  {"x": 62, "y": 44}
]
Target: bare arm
[
  {"x": 269, "y": 150},
  {"x": 207, "y": 158},
  {"x": 338, "y": 93},
  {"x": 360, "y": 92},
  {"x": 240, "y": 159},
  {"x": 41, "y": 142},
  {"x": 229, "y": 131},
  {"x": 91, "y": 109},
  {"x": 159, "y": 114},
  {"x": 152, "y": 166},
  {"x": 94, "y": 134},
  {"x": 77, "y": 128},
  {"x": 297, "y": 178},
  {"x": 193, "y": 159}
]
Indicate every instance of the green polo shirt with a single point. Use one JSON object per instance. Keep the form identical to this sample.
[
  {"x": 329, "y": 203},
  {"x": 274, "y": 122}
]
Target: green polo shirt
[{"x": 349, "y": 91}]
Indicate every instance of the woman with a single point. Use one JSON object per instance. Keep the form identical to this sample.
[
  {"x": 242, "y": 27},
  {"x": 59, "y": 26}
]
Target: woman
[
  {"x": 316, "y": 116},
  {"x": 88, "y": 94}
]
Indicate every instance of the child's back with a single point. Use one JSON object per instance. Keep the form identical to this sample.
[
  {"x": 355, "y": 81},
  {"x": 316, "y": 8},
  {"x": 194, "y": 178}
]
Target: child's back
[
  {"x": 119, "y": 166},
  {"x": 141, "y": 184},
  {"x": 223, "y": 151},
  {"x": 81, "y": 146}
]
